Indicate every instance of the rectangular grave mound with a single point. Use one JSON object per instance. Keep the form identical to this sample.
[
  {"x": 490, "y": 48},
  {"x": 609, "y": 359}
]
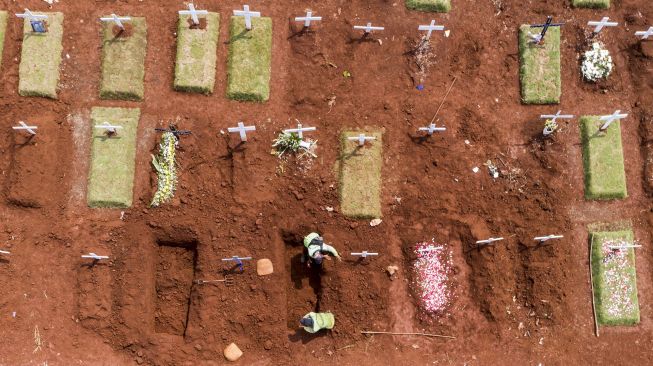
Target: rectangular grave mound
[
  {"x": 539, "y": 69},
  {"x": 123, "y": 60},
  {"x": 175, "y": 270},
  {"x": 614, "y": 278},
  {"x": 111, "y": 174},
  {"x": 196, "y": 54},
  {"x": 603, "y": 161},
  {"x": 250, "y": 57},
  {"x": 439, "y": 6},
  {"x": 35, "y": 173},
  {"x": 596, "y": 4},
  {"x": 3, "y": 30},
  {"x": 40, "y": 58},
  {"x": 360, "y": 175}
]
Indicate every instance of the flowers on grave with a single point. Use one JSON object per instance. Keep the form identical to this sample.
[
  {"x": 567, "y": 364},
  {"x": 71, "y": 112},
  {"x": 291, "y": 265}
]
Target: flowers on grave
[
  {"x": 164, "y": 164},
  {"x": 597, "y": 63},
  {"x": 550, "y": 126},
  {"x": 291, "y": 142},
  {"x": 432, "y": 269},
  {"x": 617, "y": 297}
]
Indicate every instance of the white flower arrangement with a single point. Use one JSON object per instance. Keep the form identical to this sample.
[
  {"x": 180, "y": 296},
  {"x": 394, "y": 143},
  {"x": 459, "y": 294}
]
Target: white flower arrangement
[
  {"x": 166, "y": 170},
  {"x": 597, "y": 63},
  {"x": 550, "y": 126}
]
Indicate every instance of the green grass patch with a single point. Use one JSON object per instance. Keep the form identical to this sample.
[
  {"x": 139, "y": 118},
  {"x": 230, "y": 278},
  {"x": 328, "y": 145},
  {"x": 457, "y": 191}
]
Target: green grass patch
[
  {"x": 596, "y": 4},
  {"x": 123, "y": 62},
  {"x": 360, "y": 175},
  {"x": 196, "y": 55},
  {"x": 3, "y": 30},
  {"x": 603, "y": 161},
  {"x": 250, "y": 56},
  {"x": 440, "y": 6},
  {"x": 539, "y": 69},
  {"x": 614, "y": 279},
  {"x": 40, "y": 59},
  {"x": 111, "y": 176}
]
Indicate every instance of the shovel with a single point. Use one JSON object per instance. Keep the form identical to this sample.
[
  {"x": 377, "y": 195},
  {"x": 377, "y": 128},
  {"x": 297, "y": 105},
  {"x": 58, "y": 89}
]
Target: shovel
[{"x": 228, "y": 281}]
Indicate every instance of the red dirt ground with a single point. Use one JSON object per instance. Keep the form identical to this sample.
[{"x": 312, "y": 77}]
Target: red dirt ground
[{"x": 142, "y": 308}]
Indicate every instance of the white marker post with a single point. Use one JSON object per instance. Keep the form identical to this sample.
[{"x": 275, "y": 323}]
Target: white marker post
[
  {"x": 116, "y": 19},
  {"x": 368, "y": 28},
  {"x": 248, "y": 16},
  {"x": 193, "y": 13},
  {"x": 364, "y": 254},
  {"x": 603, "y": 23},
  {"x": 361, "y": 139},
  {"x": 645, "y": 34},
  {"x": 112, "y": 130},
  {"x": 95, "y": 257},
  {"x": 609, "y": 119},
  {"x": 487, "y": 241},
  {"x": 300, "y": 130},
  {"x": 622, "y": 247},
  {"x": 25, "y": 127},
  {"x": 4, "y": 252},
  {"x": 307, "y": 19},
  {"x": 431, "y": 128},
  {"x": 430, "y": 28},
  {"x": 542, "y": 239},
  {"x": 242, "y": 129}
]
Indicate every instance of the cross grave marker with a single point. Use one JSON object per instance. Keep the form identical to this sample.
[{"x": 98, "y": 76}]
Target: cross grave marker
[
  {"x": 25, "y": 127},
  {"x": 598, "y": 26},
  {"x": 307, "y": 19},
  {"x": 430, "y": 28},
  {"x": 242, "y": 130},
  {"x": 193, "y": 13},
  {"x": 248, "y": 16},
  {"x": 116, "y": 19}
]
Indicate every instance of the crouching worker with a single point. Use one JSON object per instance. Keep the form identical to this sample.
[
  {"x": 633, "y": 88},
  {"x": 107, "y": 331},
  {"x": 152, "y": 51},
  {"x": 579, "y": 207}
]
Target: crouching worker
[
  {"x": 317, "y": 250},
  {"x": 314, "y": 322}
]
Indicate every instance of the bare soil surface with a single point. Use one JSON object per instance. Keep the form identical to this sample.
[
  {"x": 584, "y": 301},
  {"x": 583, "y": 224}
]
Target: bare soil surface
[{"x": 515, "y": 303}]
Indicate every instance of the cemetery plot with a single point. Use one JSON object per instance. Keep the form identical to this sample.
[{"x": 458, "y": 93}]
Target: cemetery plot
[
  {"x": 34, "y": 164},
  {"x": 360, "y": 175},
  {"x": 196, "y": 54},
  {"x": 539, "y": 66},
  {"x": 111, "y": 175},
  {"x": 95, "y": 295},
  {"x": 597, "y": 4},
  {"x": 250, "y": 57},
  {"x": 605, "y": 177},
  {"x": 123, "y": 57},
  {"x": 40, "y": 58},
  {"x": 3, "y": 29},
  {"x": 441, "y": 6},
  {"x": 614, "y": 278},
  {"x": 175, "y": 271}
]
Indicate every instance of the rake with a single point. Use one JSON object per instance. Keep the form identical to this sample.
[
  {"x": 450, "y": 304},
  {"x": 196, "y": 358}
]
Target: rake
[{"x": 228, "y": 281}]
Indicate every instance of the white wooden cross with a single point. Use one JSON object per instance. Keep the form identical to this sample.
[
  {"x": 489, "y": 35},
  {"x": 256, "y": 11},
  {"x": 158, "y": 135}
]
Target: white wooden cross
[
  {"x": 553, "y": 117},
  {"x": 307, "y": 19},
  {"x": 4, "y": 252},
  {"x": 603, "y": 23},
  {"x": 31, "y": 16},
  {"x": 431, "y": 128},
  {"x": 364, "y": 254},
  {"x": 542, "y": 239},
  {"x": 248, "y": 16},
  {"x": 645, "y": 34},
  {"x": 300, "y": 130},
  {"x": 609, "y": 119},
  {"x": 193, "y": 13},
  {"x": 488, "y": 241},
  {"x": 242, "y": 129},
  {"x": 110, "y": 128},
  {"x": 116, "y": 19},
  {"x": 25, "y": 127},
  {"x": 95, "y": 256},
  {"x": 368, "y": 28},
  {"x": 430, "y": 28},
  {"x": 361, "y": 139}
]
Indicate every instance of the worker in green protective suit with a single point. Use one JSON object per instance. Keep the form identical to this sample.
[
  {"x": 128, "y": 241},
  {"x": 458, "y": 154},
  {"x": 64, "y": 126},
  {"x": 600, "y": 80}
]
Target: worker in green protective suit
[
  {"x": 317, "y": 250},
  {"x": 314, "y": 322}
]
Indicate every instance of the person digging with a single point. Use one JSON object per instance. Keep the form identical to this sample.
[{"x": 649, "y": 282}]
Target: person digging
[
  {"x": 314, "y": 322},
  {"x": 317, "y": 250}
]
